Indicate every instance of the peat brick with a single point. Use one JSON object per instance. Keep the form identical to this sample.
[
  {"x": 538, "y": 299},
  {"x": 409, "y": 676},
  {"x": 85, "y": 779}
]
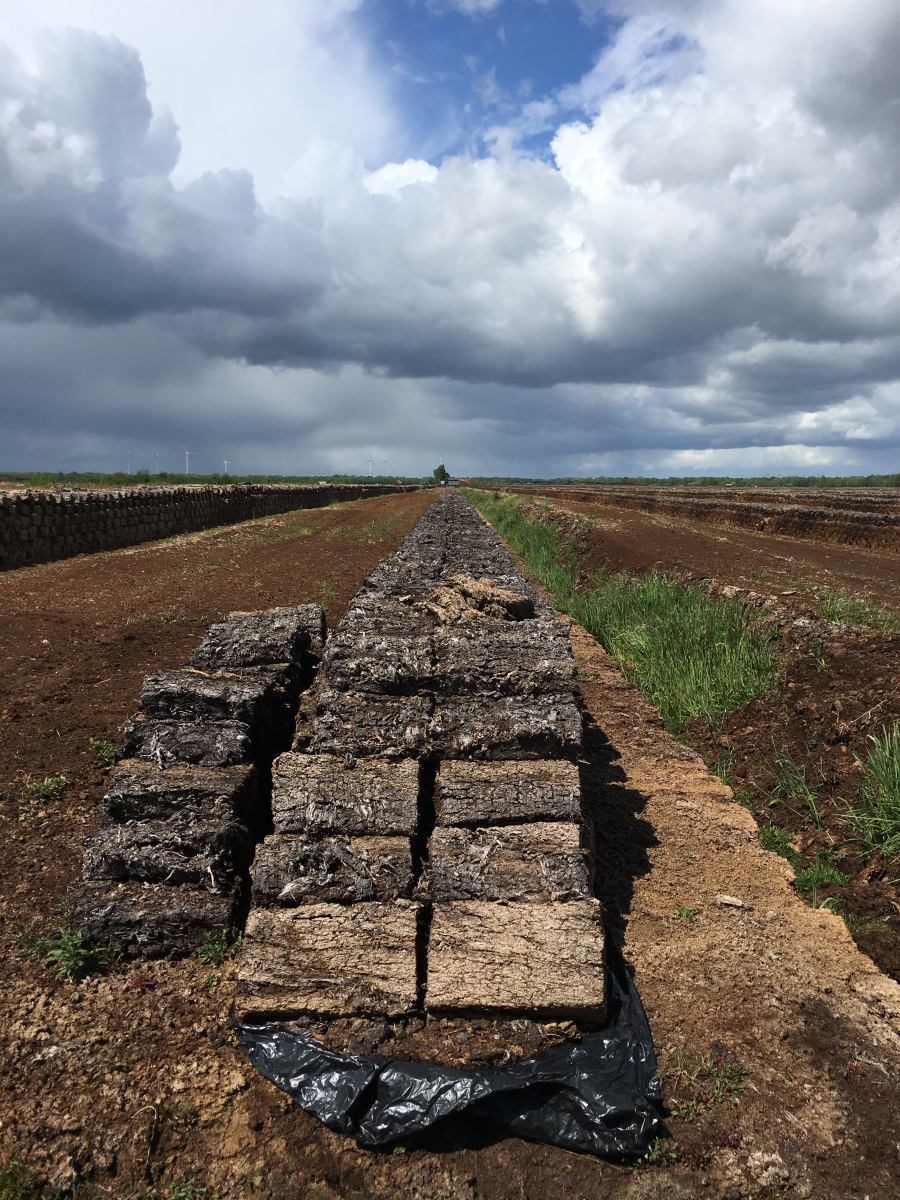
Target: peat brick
[
  {"x": 369, "y": 725},
  {"x": 204, "y": 743},
  {"x": 377, "y": 662},
  {"x": 328, "y": 959},
  {"x": 157, "y": 921},
  {"x": 418, "y": 573},
  {"x": 546, "y": 959},
  {"x": 256, "y": 639},
  {"x": 536, "y": 863},
  {"x": 506, "y": 727},
  {"x": 319, "y": 794},
  {"x": 313, "y": 619},
  {"x": 258, "y": 697},
  {"x": 201, "y": 855},
  {"x": 142, "y": 792},
  {"x": 339, "y": 870},
  {"x": 372, "y": 612},
  {"x": 486, "y": 793},
  {"x": 530, "y": 658}
]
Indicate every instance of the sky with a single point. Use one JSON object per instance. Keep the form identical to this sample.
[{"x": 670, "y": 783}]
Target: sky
[{"x": 524, "y": 237}]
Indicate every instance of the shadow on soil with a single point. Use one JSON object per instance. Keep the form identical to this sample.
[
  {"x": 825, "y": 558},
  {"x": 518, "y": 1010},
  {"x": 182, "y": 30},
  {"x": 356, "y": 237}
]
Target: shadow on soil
[{"x": 622, "y": 837}]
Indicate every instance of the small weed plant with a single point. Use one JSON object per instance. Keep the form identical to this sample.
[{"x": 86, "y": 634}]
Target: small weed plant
[
  {"x": 789, "y": 783},
  {"x": 820, "y": 872},
  {"x": 216, "y": 947},
  {"x": 747, "y": 798},
  {"x": 663, "y": 1154},
  {"x": 105, "y": 751},
  {"x": 841, "y": 609},
  {"x": 691, "y": 655},
  {"x": 818, "y": 657},
  {"x": 20, "y": 1180},
  {"x": 48, "y": 789},
  {"x": 66, "y": 953},
  {"x": 142, "y": 981},
  {"x": 686, "y": 914},
  {"x": 186, "y": 1189},
  {"x": 709, "y": 1080},
  {"x": 324, "y": 594},
  {"x": 778, "y": 841},
  {"x": 875, "y": 821},
  {"x": 185, "y": 1114}
]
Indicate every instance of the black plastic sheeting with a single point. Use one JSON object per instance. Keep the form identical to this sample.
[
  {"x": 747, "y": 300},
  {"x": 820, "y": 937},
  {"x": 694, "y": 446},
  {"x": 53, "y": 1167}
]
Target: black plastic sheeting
[{"x": 600, "y": 1096}]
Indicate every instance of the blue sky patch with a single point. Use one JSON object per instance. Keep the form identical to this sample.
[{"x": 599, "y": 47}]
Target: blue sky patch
[{"x": 458, "y": 74}]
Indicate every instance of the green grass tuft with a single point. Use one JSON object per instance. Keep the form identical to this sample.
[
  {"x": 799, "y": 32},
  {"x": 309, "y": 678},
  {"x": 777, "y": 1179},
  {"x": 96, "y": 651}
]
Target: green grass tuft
[
  {"x": 20, "y": 1180},
  {"x": 789, "y": 783},
  {"x": 875, "y": 823},
  {"x": 778, "y": 841},
  {"x": 48, "y": 789},
  {"x": 692, "y": 656}
]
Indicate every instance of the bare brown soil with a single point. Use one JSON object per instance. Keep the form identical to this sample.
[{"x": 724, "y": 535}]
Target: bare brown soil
[
  {"x": 768, "y": 562},
  {"x": 867, "y": 518},
  {"x": 885, "y": 500},
  {"x": 134, "y": 1078}
]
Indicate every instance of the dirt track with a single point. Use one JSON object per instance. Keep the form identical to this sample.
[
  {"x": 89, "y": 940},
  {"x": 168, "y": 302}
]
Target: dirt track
[{"x": 140, "y": 1078}]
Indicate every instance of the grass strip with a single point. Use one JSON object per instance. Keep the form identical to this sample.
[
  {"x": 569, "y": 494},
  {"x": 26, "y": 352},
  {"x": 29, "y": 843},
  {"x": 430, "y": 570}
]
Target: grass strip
[
  {"x": 841, "y": 609},
  {"x": 692, "y": 656}
]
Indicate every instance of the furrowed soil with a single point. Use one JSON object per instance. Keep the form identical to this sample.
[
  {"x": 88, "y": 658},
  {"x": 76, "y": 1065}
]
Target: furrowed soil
[{"x": 778, "y": 1039}]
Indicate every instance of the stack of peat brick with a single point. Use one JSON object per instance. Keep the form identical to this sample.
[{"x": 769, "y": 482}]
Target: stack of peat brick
[
  {"x": 168, "y": 864},
  {"x": 430, "y": 852}
]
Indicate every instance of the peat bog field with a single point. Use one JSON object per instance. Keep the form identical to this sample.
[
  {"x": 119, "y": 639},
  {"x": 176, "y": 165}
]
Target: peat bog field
[{"x": 777, "y": 1036}]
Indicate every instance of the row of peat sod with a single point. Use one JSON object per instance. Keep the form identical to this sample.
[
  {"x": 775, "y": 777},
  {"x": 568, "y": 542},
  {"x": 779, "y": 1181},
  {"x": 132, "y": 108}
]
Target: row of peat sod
[{"x": 429, "y": 852}]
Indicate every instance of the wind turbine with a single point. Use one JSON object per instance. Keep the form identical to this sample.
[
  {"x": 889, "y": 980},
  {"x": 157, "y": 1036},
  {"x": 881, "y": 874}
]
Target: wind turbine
[
  {"x": 388, "y": 461},
  {"x": 187, "y": 462},
  {"x": 226, "y": 466},
  {"x": 370, "y": 460}
]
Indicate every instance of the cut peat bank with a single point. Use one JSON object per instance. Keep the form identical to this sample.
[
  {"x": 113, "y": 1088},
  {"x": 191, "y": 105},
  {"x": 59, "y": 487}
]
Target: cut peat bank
[{"x": 41, "y": 525}]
